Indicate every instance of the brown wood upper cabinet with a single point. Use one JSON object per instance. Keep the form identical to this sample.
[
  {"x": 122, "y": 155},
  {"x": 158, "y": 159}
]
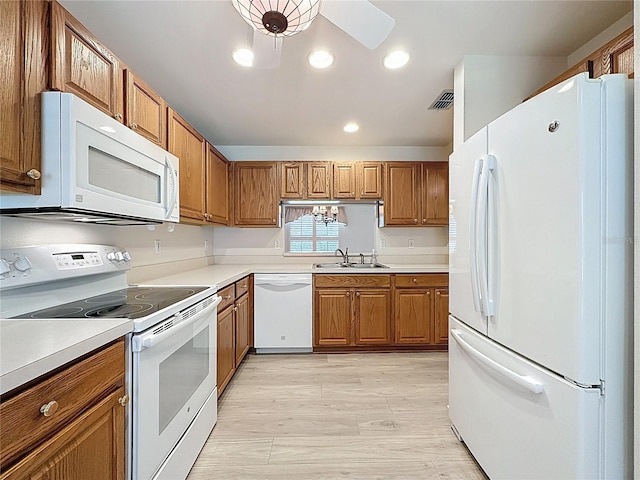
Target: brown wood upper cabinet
[
  {"x": 615, "y": 56},
  {"x": 255, "y": 194},
  {"x": 23, "y": 63},
  {"x": 80, "y": 64},
  {"x": 292, "y": 184},
  {"x": 416, "y": 194},
  {"x": 189, "y": 146},
  {"x": 357, "y": 180},
  {"x": 319, "y": 180},
  {"x": 218, "y": 177},
  {"x": 146, "y": 111}
]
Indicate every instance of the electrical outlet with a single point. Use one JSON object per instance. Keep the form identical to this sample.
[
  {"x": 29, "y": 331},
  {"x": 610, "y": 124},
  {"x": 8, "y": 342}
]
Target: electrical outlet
[
  {"x": 283, "y": 337},
  {"x": 412, "y": 243},
  {"x": 206, "y": 246},
  {"x": 276, "y": 244},
  {"x": 156, "y": 244},
  {"x": 383, "y": 244}
]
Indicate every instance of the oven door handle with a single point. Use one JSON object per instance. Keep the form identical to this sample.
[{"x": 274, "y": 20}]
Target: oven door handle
[{"x": 151, "y": 339}]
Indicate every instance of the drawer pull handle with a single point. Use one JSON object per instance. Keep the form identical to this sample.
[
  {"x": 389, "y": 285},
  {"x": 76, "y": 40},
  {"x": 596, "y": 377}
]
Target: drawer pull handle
[
  {"x": 243, "y": 286},
  {"x": 123, "y": 400},
  {"x": 49, "y": 409},
  {"x": 227, "y": 297}
]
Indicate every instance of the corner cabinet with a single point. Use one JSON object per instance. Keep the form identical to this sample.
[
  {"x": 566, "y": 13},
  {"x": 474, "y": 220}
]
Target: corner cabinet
[
  {"x": 255, "y": 194},
  {"x": 69, "y": 425},
  {"x": 417, "y": 194},
  {"x": 24, "y": 66}
]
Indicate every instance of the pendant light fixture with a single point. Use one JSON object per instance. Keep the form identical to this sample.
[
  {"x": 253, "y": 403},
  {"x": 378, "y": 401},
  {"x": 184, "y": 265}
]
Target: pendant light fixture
[{"x": 278, "y": 17}]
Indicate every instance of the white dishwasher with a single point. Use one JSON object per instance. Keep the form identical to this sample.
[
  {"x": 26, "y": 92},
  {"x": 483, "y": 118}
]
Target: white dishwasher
[{"x": 282, "y": 313}]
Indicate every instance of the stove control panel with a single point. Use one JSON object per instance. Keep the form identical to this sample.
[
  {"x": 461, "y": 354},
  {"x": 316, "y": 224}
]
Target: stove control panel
[{"x": 25, "y": 266}]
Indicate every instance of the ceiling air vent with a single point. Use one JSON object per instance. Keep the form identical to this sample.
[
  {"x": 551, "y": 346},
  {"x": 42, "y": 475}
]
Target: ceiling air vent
[{"x": 443, "y": 102}]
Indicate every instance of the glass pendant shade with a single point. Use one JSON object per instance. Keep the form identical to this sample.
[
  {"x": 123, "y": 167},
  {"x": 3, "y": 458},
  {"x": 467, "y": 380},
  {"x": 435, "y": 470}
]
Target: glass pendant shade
[{"x": 278, "y": 17}]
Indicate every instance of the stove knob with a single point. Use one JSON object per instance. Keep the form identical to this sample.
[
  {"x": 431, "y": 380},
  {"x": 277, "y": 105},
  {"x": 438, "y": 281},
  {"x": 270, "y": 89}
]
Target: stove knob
[
  {"x": 4, "y": 266},
  {"x": 119, "y": 256},
  {"x": 127, "y": 256},
  {"x": 22, "y": 264},
  {"x": 111, "y": 256}
]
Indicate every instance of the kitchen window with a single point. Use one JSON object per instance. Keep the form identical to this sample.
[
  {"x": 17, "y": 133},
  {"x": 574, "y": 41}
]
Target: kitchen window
[{"x": 304, "y": 234}]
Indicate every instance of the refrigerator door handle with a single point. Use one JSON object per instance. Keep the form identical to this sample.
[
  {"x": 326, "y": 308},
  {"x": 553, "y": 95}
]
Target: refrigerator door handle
[
  {"x": 488, "y": 164},
  {"x": 473, "y": 236},
  {"x": 524, "y": 381}
]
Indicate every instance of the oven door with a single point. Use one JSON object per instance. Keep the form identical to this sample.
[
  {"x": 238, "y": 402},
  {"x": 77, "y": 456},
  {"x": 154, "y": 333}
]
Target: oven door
[{"x": 174, "y": 371}]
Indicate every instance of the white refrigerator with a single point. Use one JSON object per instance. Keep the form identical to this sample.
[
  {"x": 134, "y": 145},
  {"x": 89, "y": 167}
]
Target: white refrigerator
[{"x": 540, "y": 282}]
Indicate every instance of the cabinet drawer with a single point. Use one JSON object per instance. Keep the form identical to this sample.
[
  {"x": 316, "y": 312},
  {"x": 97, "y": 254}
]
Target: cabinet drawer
[
  {"x": 228, "y": 297},
  {"x": 360, "y": 281},
  {"x": 242, "y": 286},
  {"x": 422, "y": 280},
  {"x": 75, "y": 389}
]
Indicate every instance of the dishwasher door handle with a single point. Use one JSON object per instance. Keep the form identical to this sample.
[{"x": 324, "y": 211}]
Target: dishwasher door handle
[{"x": 281, "y": 284}]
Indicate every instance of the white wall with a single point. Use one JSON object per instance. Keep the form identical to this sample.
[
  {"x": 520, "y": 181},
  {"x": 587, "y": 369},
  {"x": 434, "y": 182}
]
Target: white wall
[
  {"x": 599, "y": 40},
  {"x": 400, "y": 153},
  {"x": 184, "y": 245},
  {"x": 486, "y": 86}
]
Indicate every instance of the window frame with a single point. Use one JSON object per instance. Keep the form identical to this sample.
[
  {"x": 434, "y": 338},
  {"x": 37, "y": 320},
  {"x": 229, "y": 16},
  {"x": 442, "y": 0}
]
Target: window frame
[{"x": 314, "y": 238}]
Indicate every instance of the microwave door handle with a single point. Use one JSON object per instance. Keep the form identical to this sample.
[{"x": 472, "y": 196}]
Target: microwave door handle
[{"x": 174, "y": 190}]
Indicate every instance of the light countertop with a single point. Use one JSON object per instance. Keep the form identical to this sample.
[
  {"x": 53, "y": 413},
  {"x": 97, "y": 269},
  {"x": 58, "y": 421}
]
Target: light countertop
[
  {"x": 223, "y": 275},
  {"x": 30, "y": 348}
]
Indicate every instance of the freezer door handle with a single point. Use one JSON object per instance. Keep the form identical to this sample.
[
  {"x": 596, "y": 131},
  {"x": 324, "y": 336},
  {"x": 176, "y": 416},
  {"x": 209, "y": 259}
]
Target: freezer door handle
[
  {"x": 524, "y": 381},
  {"x": 473, "y": 235}
]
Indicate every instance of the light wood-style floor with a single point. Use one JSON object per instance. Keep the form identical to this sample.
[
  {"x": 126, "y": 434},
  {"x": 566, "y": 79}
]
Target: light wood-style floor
[{"x": 343, "y": 416}]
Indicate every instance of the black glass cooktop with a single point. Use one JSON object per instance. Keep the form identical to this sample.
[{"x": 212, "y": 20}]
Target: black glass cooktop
[{"x": 132, "y": 302}]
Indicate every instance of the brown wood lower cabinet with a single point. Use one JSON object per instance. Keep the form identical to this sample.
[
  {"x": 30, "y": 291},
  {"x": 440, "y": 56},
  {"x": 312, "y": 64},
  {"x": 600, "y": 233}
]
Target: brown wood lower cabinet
[
  {"x": 361, "y": 312},
  {"x": 84, "y": 434},
  {"x": 235, "y": 329}
]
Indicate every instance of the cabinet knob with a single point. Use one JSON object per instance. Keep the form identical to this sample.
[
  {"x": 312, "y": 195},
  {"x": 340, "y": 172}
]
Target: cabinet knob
[
  {"x": 415, "y": 280},
  {"x": 348, "y": 294},
  {"x": 123, "y": 400},
  {"x": 227, "y": 297},
  {"x": 118, "y": 116},
  {"x": 424, "y": 220},
  {"x": 35, "y": 174},
  {"x": 235, "y": 309},
  {"x": 243, "y": 286},
  {"x": 273, "y": 220},
  {"x": 134, "y": 126},
  {"x": 49, "y": 409},
  {"x": 357, "y": 294},
  {"x": 415, "y": 220}
]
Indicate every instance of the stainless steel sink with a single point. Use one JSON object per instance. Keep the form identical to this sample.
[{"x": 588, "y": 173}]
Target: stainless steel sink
[{"x": 349, "y": 265}]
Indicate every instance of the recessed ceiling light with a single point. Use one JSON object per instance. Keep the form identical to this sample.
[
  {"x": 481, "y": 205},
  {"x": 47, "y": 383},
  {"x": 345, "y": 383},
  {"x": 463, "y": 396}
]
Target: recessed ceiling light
[
  {"x": 321, "y": 59},
  {"x": 351, "y": 127},
  {"x": 243, "y": 56},
  {"x": 396, "y": 59}
]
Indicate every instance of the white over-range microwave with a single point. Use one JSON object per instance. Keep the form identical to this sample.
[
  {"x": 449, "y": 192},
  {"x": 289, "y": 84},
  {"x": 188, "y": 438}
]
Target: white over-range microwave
[{"x": 96, "y": 170}]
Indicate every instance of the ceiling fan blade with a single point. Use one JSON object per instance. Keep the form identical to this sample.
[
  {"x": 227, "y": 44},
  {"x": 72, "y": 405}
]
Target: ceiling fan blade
[
  {"x": 266, "y": 50},
  {"x": 359, "y": 18}
]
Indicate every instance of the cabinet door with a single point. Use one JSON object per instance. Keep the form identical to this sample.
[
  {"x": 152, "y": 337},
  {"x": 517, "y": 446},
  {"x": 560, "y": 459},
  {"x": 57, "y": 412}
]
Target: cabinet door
[
  {"x": 617, "y": 55},
  {"x": 146, "y": 111},
  {"x": 413, "y": 316},
  {"x": 226, "y": 348},
  {"x": 189, "y": 146},
  {"x": 80, "y": 64},
  {"x": 344, "y": 180},
  {"x": 441, "y": 316},
  {"x": 369, "y": 177},
  {"x": 242, "y": 328},
  {"x": 435, "y": 193},
  {"x": 372, "y": 317},
  {"x": 292, "y": 180},
  {"x": 23, "y": 64},
  {"x": 319, "y": 180},
  {"x": 92, "y": 446},
  {"x": 217, "y": 187},
  {"x": 256, "y": 194},
  {"x": 402, "y": 194},
  {"x": 332, "y": 317}
]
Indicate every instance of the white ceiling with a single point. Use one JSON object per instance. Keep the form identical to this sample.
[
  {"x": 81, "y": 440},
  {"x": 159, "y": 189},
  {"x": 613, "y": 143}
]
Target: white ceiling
[{"x": 183, "y": 50}]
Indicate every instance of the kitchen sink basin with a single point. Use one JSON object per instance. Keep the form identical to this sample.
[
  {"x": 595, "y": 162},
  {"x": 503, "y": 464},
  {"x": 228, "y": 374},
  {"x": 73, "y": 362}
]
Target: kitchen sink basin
[{"x": 349, "y": 265}]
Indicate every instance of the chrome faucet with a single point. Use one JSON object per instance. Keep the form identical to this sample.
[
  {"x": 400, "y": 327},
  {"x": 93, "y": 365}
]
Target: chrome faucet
[{"x": 345, "y": 254}]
